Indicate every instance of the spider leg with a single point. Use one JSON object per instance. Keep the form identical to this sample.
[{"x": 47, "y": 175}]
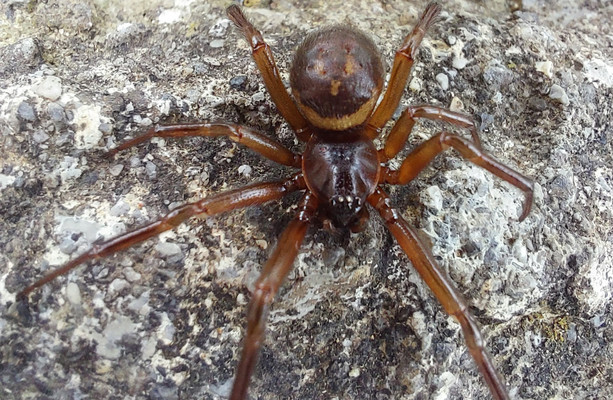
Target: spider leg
[
  {"x": 402, "y": 128},
  {"x": 442, "y": 287},
  {"x": 222, "y": 202},
  {"x": 266, "y": 64},
  {"x": 273, "y": 274},
  {"x": 403, "y": 62},
  {"x": 419, "y": 158},
  {"x": 266, "y": 146}
]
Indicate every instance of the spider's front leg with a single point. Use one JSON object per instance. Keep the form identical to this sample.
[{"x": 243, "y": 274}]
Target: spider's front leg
[
  {"x": 402, "y": 128},
  {"x": 230, "y": 200},
  {"x": 403, "y": 62},
  {"x": 273, "y": 274},
  {"x": 442, "y": 287},
  {"x": 270, "y": 74},
  {"x": 422, "y": 155}
]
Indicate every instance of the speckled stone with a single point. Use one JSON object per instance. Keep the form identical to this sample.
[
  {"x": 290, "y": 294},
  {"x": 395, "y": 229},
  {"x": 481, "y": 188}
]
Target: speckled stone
[{"x": 354, "y": 320}]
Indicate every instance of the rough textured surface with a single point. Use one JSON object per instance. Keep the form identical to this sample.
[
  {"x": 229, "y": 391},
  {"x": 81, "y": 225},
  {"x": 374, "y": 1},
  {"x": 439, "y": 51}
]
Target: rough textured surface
[{"x": 164, "y": 320}]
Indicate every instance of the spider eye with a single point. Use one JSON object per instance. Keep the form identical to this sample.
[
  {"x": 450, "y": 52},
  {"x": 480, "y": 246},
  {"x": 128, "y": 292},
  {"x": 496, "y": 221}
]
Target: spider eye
[{"x": 336, "y": 77}]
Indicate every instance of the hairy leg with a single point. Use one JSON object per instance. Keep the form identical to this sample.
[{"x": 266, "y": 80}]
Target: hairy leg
[
  {"x": 272, "y": 277},
  {"x": 402, "y": 128},
  {"x": 403, "y": 62},
  {"x": 442, "y": 287},
  {"x": 266, "y": 146},
  {"x": 230, "y": 200},
  {"x": 266, "y": 63},
  {"x": 419, "y": 158}
]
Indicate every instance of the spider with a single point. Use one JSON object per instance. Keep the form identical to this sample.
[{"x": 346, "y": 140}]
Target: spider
[{"x": 336, "y": 79}]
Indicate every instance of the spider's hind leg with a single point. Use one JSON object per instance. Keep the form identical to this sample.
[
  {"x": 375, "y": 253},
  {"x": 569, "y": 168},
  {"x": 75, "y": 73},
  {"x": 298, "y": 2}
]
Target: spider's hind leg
[
  {"x": 272, "y": 277},
  {"x": 442, "y": 287}
]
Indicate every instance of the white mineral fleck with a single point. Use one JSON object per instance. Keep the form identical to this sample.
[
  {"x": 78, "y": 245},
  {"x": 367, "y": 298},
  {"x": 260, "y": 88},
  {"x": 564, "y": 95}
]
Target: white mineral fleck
[
  {"x": 546, "y": 67},
  {"x": 169, "y": 16},
  {"x": 86, "y": 121},
  {"x": 443, "y": 80},
  {"x": 557, "y": 93},
  {"x": 73, "y": 293},
  {"x": 244, "y": 170},
  {"x": 167, "y": 249},
  {"x": 120, "y": 208},
  {"x": 50, "y": 87}
]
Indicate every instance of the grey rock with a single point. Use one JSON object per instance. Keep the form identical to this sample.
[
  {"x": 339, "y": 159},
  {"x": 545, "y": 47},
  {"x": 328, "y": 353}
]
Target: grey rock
[
  {"x": 25, "y": 112},
  {"x": 356, "y": 323}
]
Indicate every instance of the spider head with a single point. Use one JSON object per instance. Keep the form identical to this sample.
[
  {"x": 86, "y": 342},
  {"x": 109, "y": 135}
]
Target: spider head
[{"x": 336, "y": 77}]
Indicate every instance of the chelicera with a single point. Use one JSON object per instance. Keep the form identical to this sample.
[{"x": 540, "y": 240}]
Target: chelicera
[{"x": 336, "y": 78}]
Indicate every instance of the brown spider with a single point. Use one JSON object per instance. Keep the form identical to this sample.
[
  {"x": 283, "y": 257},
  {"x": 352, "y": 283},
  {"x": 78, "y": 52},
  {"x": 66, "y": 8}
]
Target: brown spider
[{"x": 336, "y": 79}]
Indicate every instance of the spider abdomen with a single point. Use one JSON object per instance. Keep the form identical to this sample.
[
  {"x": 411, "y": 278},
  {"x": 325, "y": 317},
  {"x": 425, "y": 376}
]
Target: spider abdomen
[
  {"x": 336, "y": 77},
  {"x": 341, "y": 174}
]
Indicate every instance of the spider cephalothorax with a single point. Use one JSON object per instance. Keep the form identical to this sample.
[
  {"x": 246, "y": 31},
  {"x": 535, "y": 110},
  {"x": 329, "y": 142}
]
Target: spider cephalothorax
[{"x": 336, "y": 79}]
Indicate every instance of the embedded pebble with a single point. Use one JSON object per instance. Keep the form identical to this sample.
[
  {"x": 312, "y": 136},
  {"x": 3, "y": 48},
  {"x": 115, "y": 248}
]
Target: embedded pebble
[
  {"x": 244, "y": 170},
  {"x": 459, "y": 61},
  {"x": 116, "y": 169},
  {"x": 208, "y": 303},
  {"x": 434, "y": 198},
  {"x": 167, "y": 249},
  {"x": 68, "y": 246},
  {"x": 238, "y": 82},
  {"x": 443, "y": 80},
  {"x": 258, "y": 97},
  {"x": 219, "y": 29},
  {"x": 142, "y": 121},
  {"x": 103, "y": 367},
  {"x": 56, "y": 112},
  {"x": 131, "y": 275},
  {"x": 70, "y": 169},
  {"x": 598, "y": 321},
  {"x": 50, "y": 87},
  {"x": 140, "y": 302},
  {"x": 151, "y": 169},
  {"x": 166, "y": 331},
  {"x": 86, "y": 121},
  {"x": 6, "y": 180},
  {"x": 557, "y": 93},
  {"x": 217, "y": 43},
  {"x": 120, "y": 208},
  {"x": 497, "y": 76},
  {"x": 73, "y": 293},
  {"x": 415, "y": 84},
  {"x": 148, "y": 348},
  {"x": 105, "y": 128},
  {"x": 114, "y": 331},
  {"x": 571, "y": 334},
  {"x": 211, "y": 61},
  {"x": 118, "y": 285},
  {"x": 40, "y": 136},
  {"x": 169, "y": 16},
  {"x": 134, "y": 162},
  {"x": 520, "y": 252},
  {"x": 28, "y": 50},
  {"x": 25, "y": 112},
  {"x": 456, "y": 104},
  {"x": 546, "y": 67}
]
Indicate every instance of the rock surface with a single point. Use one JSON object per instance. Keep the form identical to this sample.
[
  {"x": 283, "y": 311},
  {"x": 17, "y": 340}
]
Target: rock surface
[{"x": 164, "y": 320}]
